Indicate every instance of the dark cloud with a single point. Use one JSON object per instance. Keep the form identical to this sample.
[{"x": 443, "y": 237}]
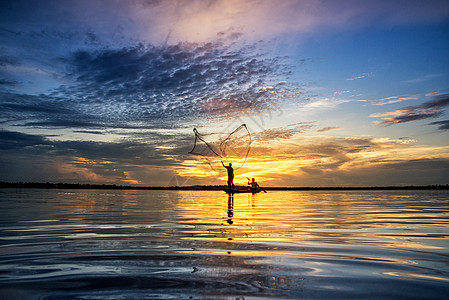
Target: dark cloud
[
  {"x": 8, "y": 82},
  {"x": 146, "y": 151},
  {"x": 8, "y": 60},
  {"x": 63, "y": 124},
  {"x": 173, "y": 82},
  {"x": 37, "y": 110},
  {"x": 5, "y": 78},
  {"x": 427, "y": 110},
  {"x": 441, "y": 101},
  {"x": 29, "y": 104},
  {"x": 88, "y": 161},
  {"x": 411, "y": 116},
  {"x": 149, "y": 86},
  {"x": 10, "y": 140},
  {"x": 155, "y": 156},
  {"x": 406, "y": 172},
  {"x": 89, "y": 132},
  {"x": 442, "y": 125}
]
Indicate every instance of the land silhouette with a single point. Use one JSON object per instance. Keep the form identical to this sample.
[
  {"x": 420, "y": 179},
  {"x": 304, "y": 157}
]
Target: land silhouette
[{"x": 49, "y": 185}]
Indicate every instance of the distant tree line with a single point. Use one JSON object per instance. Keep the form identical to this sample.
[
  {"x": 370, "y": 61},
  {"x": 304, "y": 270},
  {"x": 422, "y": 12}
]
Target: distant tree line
[{"x": 48, "y": 185}]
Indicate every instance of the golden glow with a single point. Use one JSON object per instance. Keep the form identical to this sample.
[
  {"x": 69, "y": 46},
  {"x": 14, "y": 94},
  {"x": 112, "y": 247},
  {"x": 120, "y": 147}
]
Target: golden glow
[
  {"x": 129, "y": 179},
  {"x": 132, "y": 181},
  {"x": 289, "y": 162},
  {"x": 309, "y": 217}
]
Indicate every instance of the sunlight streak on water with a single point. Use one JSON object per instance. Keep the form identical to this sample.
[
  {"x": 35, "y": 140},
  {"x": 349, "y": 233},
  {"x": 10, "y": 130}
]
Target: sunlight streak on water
[{"x": 203, "y": 244}]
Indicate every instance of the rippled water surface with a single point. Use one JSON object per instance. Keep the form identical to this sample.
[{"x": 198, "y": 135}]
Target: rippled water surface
[{"x": 102, "y": 244}]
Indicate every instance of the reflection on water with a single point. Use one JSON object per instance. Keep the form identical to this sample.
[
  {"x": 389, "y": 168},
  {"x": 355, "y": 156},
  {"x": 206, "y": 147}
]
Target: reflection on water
[
  {"x": 230, "y": 209},
  {"x": 97, "y": 244}
]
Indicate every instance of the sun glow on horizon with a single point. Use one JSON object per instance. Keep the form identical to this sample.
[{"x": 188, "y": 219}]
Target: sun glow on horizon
[{"x": 293, "y": 161}]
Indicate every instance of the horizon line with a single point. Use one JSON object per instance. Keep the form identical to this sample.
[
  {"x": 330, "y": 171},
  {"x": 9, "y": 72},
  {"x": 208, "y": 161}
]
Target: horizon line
[{"x": 61, "y": 185}]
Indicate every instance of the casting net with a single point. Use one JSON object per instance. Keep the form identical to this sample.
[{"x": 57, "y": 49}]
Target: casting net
[{"x": 232, "y": 148}]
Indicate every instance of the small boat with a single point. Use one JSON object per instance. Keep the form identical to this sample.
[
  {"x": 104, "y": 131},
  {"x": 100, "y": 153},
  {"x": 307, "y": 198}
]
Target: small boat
[{"x": 243, "y": 190}]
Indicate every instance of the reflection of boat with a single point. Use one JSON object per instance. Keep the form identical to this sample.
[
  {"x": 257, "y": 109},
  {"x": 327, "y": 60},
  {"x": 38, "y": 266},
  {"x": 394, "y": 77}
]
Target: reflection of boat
[{"x": 242, "y": 189}]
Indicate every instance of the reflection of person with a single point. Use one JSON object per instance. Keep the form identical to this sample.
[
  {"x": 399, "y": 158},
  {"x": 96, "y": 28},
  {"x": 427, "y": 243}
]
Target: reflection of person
[
  {"x": 230, "y": 208},
  {"x": 230, "y": 175},
  {"x": 253, "y": 185}
]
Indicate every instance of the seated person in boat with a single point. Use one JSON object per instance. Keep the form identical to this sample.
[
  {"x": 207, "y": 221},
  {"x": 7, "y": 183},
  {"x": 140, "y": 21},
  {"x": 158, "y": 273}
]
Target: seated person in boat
[{"x": 253, "y": 185}]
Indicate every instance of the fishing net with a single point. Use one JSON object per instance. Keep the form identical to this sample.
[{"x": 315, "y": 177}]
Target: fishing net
[{"x": 232, "y": 148}]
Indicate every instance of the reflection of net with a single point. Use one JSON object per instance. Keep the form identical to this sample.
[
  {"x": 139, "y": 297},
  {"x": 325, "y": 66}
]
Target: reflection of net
[{"x": 234, "y": 148}]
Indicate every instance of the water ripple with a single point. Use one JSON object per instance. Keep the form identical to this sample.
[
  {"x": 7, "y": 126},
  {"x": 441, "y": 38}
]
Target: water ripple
[{"x": 204, "y": 245}]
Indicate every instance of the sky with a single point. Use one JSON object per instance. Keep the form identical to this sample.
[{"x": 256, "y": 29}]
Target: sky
[{"x": 332, "y": 92}]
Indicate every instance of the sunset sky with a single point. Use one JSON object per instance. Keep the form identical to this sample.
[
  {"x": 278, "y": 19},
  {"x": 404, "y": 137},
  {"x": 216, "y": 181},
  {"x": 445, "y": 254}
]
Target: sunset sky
[{"x": 334, "y": 93}]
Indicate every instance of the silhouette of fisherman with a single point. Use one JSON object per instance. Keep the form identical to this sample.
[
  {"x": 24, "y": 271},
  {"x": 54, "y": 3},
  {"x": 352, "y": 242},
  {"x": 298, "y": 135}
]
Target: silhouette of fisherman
[
  {"x": 254, "y": 186},
  {"x": 230, "y": 175}
]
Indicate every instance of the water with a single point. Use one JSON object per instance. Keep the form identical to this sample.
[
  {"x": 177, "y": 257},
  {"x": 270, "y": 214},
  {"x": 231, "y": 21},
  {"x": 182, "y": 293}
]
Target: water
[{"x": 102, "y": 244}]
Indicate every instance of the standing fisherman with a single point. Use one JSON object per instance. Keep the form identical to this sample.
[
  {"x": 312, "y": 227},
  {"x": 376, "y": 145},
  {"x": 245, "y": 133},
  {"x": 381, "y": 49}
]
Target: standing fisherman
[{"x": 230, "y": 175}]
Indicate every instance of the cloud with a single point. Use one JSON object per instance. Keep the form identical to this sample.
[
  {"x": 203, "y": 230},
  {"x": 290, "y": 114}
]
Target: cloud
[
  {"x": 141, "y": 68},
  {"x": 139, "y": 86},
  {"x": 157, "y": 157},
  {"x": 173, "y": 81},
  {"x": 259, "y": 19},
  {"x": 442, "y": 125},
  {"x": 89, "y": 132},
  {"x": 338, "y": 93},
  {"x": 15, "y": 103},
  {"x": 139, "y": 62},
  {"x": 324, "y": 161},
  {"x": 437, "y": 93},
  {"x": 427, "y": 110},
  {"x": 325, "y": 102},
  {"x": 42, "y": 111},
  {"x": 396, "y": 99},
  {"x": 281, "y": 133},
  {"x": 363, "y": 75},
  {"x": 10, "y": 140},
  {"x": 90, "y": 161},
  {"x": 422, "y": 79},
  {"x": 126, "y": 150},
  {"x": 406, "y": 172},
  {"x": 163, "y": 80},
  {"x": 8, "y": 82},
  {"x": 200, "y": 21},
  {"x": 318, "y": 148},
  {"x": 6, "y": 60},
  {"x": 63, "y": 123},
  {"x": 325, "y": 129}
]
